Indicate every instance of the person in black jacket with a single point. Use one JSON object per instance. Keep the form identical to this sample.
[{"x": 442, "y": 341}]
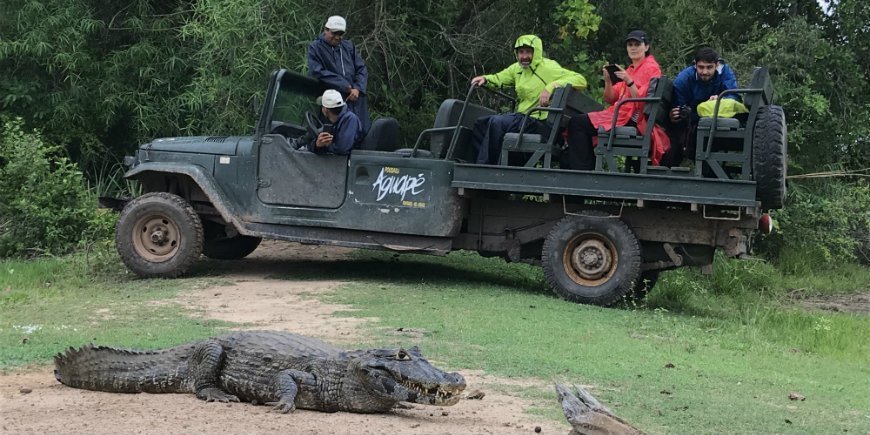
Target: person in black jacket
[{"x": 336, "y": 62}]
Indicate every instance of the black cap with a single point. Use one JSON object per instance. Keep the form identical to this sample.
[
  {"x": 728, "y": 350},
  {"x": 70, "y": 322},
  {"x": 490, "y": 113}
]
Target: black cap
[{"x": 637, "y": 35}]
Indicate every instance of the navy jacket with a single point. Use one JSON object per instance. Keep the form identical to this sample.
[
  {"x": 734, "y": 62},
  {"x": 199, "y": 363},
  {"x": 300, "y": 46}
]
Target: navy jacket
[
  {"x": 690, "y": 91},
  {"x": 340, "y": 67},
  {"x": 347, "y": 134}
]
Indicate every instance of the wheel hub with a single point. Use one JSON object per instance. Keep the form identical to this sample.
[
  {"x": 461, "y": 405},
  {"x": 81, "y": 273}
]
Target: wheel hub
[
  {"x": 591, "y": 259},
  {"x": 156, "y": 238}
]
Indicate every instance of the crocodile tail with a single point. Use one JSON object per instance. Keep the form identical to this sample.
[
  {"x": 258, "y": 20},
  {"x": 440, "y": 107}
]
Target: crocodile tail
[{"x": 101, "y": 368}]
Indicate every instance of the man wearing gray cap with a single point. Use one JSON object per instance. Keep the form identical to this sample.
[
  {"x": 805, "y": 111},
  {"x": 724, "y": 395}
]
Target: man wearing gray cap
[{"x": 335, "y": 61}]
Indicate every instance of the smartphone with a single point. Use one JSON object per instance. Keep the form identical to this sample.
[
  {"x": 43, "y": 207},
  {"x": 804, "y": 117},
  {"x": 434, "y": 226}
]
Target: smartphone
[
  {"x": 612, "y": 69},
  {"x": 327, "y": 128}
]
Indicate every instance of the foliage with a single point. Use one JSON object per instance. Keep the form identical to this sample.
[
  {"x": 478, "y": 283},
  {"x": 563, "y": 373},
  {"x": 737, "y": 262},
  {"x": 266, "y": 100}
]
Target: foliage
[
  {"x": 826, "y": 223},
  {"x": 98, "y": 78},
  {"x": 45, "y": 206}
]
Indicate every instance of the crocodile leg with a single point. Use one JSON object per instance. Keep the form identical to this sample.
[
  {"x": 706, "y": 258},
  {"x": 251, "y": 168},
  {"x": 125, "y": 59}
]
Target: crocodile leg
[
  {"x": 287, "y": 386},
  {"x": 205, "y": 368}
]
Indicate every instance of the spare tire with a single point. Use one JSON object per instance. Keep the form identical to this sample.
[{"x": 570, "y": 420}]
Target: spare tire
[{"x": 769, "y": 153}]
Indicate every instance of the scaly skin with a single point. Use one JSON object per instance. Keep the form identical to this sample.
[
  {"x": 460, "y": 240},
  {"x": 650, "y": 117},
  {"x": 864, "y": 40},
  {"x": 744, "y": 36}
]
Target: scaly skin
[
  {"x": 588, "y": 416},
  {"x": 283, "y": 370}
]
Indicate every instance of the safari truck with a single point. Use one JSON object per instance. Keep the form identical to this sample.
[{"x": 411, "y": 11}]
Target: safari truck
[{"x": 599, "y": 235}]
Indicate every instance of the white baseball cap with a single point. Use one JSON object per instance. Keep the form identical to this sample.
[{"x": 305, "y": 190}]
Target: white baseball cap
[
  {"x": 336, "y": 23},
  {"x": 331, "y": 99}
]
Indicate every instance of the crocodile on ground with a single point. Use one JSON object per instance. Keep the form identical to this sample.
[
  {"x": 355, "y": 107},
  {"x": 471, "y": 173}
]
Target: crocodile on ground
[{"x": 279, "y": 369}]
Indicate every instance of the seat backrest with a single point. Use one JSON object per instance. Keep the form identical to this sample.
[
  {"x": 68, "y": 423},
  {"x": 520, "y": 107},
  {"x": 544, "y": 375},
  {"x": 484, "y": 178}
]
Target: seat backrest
[
  {"x": 760, "y": 79},
  {"x": 581, "y": 102},
  {"x": 663, "y": 89},
  {"x": 448, "y": 116},
  {"x": 383, "y": 135}
]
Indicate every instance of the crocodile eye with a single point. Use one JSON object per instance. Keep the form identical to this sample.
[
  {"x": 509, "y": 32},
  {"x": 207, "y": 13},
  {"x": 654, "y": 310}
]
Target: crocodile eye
[{"x": 402, "y": 355}]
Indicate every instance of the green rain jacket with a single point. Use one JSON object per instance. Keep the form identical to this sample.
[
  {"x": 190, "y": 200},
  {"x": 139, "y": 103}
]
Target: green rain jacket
[{"x": 529, "y": 82}]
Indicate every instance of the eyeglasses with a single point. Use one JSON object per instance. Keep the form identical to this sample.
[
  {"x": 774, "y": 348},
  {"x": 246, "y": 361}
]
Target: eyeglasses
[{"x": 337, "y": 33}]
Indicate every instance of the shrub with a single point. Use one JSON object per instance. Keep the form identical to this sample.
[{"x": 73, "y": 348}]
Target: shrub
[
  {"x": 825, "y": 223},
  {"x": 45, "y": 206}
]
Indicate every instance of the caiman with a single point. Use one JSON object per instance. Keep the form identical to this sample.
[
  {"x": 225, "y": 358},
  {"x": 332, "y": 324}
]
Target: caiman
[{"x": 278, "y": 369}]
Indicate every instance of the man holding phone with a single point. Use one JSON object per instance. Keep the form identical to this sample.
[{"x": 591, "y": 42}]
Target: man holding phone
[
  {"x": 344, "y": 131},
  {"x": 704, "y": 80}
]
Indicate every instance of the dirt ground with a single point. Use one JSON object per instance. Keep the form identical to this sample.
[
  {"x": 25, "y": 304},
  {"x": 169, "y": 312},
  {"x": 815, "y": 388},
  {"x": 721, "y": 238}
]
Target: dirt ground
[{"x": 31, "y": 401}]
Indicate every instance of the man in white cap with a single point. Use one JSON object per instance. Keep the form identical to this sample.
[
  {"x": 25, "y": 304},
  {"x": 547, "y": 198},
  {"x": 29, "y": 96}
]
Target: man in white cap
[
  {"x": 343, "y": 133},
  {"x": 335, "y": 61}
]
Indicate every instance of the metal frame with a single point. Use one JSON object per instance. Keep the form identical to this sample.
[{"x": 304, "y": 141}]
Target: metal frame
[
  {"x": 633, "y": 146},
  {"x": 759, "y": 94}
]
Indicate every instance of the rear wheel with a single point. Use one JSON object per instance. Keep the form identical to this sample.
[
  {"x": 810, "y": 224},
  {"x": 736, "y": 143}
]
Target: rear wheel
[
  {"x": 769, "y": 153},
  {"x": 591, "y": 259},
  {"x": 221, "y": 247},
  {"x": 159, "y": 235}
]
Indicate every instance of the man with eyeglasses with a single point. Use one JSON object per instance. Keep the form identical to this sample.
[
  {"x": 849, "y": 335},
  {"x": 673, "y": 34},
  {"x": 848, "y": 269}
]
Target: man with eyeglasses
[{"x": 336, "y": 62}]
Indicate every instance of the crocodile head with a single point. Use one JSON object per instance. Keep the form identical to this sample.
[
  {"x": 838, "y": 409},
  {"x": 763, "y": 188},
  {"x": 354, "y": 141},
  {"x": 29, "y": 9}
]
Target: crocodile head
[{"x": 404, "y": 375}]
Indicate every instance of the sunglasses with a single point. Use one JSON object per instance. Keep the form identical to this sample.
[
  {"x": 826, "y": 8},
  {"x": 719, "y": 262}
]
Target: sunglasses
[{"x": 337, "y": 33}]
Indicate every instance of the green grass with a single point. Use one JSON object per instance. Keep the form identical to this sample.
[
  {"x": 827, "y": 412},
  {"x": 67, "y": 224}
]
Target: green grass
[
  {"x": 738, "y": 344},
  {"x": 737, "y": 353},
  {"x": 49, "y": 304}
]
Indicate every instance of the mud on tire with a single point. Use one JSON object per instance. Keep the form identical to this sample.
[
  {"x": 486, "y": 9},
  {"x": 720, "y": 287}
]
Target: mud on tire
[
  {"x": 159, "y": 235},
  {"x": 769, "y": 154},
  {"x": 591, "y": 259}
]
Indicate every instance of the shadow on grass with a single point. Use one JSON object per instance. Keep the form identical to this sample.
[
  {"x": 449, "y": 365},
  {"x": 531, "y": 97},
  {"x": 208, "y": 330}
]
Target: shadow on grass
[{"x": 407, "y": 269}]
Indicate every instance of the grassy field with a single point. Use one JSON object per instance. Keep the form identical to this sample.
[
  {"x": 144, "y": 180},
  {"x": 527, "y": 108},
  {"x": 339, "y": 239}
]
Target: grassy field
[
  {"x": 703, "y": 355},
  {"x": 49, "y": 304}
]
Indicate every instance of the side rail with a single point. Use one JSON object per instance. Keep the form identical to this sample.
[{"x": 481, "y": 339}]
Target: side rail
[
  {"x": 456, "y": 127},
  {"x": 539, "y": 148},
  {"x": 452, "y": 148},
  {"x": 762, "y": 92}
]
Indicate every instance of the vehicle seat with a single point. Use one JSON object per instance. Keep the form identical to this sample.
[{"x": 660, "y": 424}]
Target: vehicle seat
[
  {"x": 628, "y": 142},
  {"x": 382, "y": 136}
]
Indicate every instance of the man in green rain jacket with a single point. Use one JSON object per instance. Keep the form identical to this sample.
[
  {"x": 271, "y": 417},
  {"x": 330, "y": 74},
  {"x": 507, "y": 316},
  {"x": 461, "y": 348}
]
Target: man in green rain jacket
[{"x": 534, "y": 78}]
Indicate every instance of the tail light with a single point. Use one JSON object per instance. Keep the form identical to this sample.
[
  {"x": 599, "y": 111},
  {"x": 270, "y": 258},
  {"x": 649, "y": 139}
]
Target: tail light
[{"x": 765, "y": 224}]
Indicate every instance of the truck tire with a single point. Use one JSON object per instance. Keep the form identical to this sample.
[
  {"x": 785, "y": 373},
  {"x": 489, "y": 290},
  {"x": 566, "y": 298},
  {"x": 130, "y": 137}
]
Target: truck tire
[
  {"x": 769, "y": 153},
  {"x": 591, "y": 259},
  {"x": 159, "y": 235},
  {"x": 220, "y": 247}
]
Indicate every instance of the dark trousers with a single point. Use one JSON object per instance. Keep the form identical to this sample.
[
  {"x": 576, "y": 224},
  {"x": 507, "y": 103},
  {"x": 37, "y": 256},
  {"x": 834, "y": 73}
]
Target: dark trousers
[
  {"x": 683, "y": 135},
  {"x": 580, "y": 154},
  {"x": 489, "y": 131}
]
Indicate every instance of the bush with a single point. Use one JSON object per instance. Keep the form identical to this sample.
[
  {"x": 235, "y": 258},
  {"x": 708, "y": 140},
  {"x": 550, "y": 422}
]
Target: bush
[
  {"x": 45, "y": 206},
  {"x": 825, "y": 223}
]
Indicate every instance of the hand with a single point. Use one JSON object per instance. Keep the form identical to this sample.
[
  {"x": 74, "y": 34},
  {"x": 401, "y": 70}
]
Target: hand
[
  {"x": 623, "y": 75},
  {"x": 323, "y": 140},
  {"x": 478, "y": 81},
  {"x": 713, "y": 97},
  {"x": 544, "y": 99},
  {"x": 675, "y": 114},
  {"x": 353, "y": 95},
  {"x": 607, "y": 81}
]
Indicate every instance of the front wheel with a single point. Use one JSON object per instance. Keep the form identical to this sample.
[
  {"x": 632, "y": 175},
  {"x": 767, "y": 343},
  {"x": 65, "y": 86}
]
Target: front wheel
[
  {"x": 591, "y": 259},
  {"x": 159, "y": 235}
]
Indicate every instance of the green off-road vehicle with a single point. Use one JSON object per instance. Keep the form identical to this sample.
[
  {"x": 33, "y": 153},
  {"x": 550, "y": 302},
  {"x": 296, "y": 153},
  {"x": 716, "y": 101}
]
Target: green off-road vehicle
[{"x": 599, "y": 235}]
